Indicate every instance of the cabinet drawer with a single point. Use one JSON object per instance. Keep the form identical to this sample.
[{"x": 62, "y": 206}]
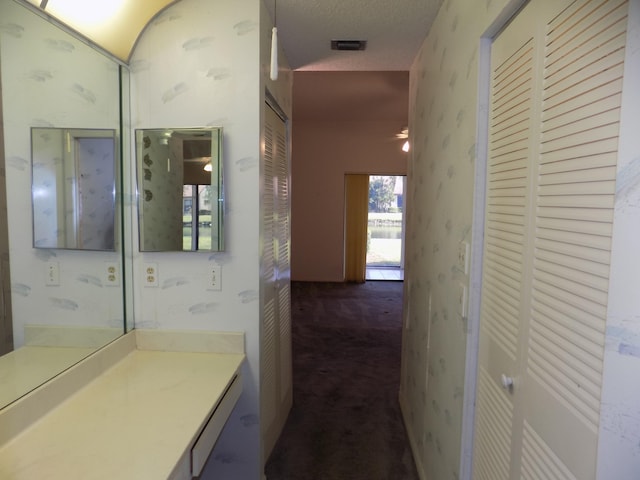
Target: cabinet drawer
[{"x": 209, "y": 435}]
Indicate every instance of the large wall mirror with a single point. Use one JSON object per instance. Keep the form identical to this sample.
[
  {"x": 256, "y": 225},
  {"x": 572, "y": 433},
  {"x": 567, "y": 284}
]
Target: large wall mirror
[
  {"x": 73, "y": 188},
  {"x": 180, "y": 189},
  {"x": 63, "y": 299}
]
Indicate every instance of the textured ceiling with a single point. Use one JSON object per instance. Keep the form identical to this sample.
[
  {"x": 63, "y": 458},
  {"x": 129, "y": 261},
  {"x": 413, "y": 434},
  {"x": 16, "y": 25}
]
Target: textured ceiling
[{"x": 393, "y": 29}]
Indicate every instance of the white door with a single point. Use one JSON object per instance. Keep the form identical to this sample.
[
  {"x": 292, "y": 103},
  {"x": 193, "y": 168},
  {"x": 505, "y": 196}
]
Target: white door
[
  {"x": 555, "y": 100},
  {"x": 276, "y": 388}
]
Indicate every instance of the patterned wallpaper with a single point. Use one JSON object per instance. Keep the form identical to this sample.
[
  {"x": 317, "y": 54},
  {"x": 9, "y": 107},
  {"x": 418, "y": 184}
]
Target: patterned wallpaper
[
  {"x": 160, "y": 177},
  {"x": 444, "y": 101},
  {"x": 442, "y": 122},
  {"x": 50, "y": 79},
  {"x": 198, "y": 64}
]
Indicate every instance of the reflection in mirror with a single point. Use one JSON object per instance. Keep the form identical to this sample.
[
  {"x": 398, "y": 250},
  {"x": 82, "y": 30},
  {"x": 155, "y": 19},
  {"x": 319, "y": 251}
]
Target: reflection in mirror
[
  {"x": 180, "y": 189},
  {"x": 73, "y": 188},
  {"x": 59, "y": 304}
]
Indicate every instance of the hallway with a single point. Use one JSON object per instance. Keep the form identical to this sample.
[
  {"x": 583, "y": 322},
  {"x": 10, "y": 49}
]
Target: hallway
[{"x": 345, "y": 423}]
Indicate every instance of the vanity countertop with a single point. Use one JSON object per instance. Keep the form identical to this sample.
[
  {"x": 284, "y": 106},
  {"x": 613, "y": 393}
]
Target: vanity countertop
[
  {"x": 27, "y": 367},
  {"x": 138, "y": 420}
]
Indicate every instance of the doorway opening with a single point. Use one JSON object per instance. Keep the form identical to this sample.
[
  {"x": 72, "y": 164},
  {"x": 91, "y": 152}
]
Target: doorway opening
[
  {"x": 385, "y": 228},
  {"x": 196, "y": 217}
]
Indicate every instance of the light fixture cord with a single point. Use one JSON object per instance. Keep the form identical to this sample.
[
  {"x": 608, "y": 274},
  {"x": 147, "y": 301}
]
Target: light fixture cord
[{"x": 273, "y": 73}]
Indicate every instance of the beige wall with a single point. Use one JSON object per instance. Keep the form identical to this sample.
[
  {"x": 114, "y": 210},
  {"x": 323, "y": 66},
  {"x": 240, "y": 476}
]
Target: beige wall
[
  {"x": 343, "y": 122},
  {"x": 323, "y": 152},
  {"x": 440, "y": 202}
]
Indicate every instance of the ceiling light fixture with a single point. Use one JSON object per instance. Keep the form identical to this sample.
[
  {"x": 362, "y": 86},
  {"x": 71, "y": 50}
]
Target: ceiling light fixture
[
  {"x": 273, "y": 74},
  {"x": 113, "y": 25},
  {"x": 80, "y": 14},
  {"x": 404, "y": 134}
]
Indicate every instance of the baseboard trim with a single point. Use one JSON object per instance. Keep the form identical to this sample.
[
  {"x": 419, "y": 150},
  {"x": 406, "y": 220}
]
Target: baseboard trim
[{"x": 412, "y": 441}]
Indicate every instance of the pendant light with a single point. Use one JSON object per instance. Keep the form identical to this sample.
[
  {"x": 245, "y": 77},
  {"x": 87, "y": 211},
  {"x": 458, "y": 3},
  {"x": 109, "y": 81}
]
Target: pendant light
[{"x": 274, "y": 44}]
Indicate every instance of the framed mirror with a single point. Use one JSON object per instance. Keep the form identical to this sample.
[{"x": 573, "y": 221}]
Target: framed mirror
[
  {"x": 73, "y": 188},
  {"x": 180, "y": 189}
]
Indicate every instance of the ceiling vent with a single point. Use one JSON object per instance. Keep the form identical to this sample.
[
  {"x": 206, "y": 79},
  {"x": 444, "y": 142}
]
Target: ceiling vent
[{"x": 349, "y": 45}]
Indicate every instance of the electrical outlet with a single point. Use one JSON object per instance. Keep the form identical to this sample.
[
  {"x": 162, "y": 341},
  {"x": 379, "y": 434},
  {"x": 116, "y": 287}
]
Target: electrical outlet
[
  {"x": 111, "y": 274},
  {"x": 52, "y": 274},
  {"x": 461, "y": 295},
  {"x": 463, "y": 257},
  {"x": 215, "y": 277},
  {"x": 151, "y": 275}
]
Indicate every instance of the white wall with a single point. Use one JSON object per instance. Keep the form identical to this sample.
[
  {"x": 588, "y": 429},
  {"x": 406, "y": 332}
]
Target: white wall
[
  {"x": 619, "y": 441},
  {"x": 50, "y": 79},
  {"x": 202, "y": 63}
]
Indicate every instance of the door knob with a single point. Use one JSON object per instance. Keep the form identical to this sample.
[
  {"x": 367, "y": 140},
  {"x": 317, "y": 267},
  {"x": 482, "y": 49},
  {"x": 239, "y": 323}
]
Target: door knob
[{"x": 507, "y": 382}]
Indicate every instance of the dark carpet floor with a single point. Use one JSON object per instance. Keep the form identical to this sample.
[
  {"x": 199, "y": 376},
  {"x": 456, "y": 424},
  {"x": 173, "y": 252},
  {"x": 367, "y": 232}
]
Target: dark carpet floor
[{"x": 345, "y": 423}]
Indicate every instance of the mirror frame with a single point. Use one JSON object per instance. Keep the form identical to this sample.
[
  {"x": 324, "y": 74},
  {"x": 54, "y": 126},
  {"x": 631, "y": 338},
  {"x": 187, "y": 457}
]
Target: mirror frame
[{"x": 150, "y": 141}]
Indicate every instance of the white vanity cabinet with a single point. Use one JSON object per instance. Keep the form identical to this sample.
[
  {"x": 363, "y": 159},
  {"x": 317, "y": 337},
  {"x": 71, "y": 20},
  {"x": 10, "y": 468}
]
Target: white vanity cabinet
[{"x": 153, "y": 414}]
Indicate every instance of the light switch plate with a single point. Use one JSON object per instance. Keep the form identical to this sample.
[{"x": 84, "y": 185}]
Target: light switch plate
[
  {"x": 52, "y": 274},
  {"x": 215, "y": 277},
  {"x": 463, "y": 257},
  {"x": 461, "y": 298}
]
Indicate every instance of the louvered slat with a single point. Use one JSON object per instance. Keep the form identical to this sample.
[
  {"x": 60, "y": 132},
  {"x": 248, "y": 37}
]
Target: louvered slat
[
  {"x": 581, "y": 407},
  {"x": 577, "y": 164},
  {"x": 539, "y": 461},
  {"x": 506, "y": 206},
  {"x": 577, "y": 201},
  {"x": 579, "y": 346},
  {"x": 578, "y": 18},
  {"x": 596, "y": 94},
  {"x": 269, "y": 364},
  {"x": 284, "y": 300},
  {"x": 595, "y": 255},
  {"x": 284, "y": 312},
  {"x": 494, "y": 414},
  {"x": 579, "y": 264},
  {"x": 603, "y": 35},
  {"x": 562, "y": 313},
  {"x": 579, "y": 112},
  {"x": 276, "y": 276},
  {"x": 269, "y": 342},
  {"x": 575, "y": 180}
]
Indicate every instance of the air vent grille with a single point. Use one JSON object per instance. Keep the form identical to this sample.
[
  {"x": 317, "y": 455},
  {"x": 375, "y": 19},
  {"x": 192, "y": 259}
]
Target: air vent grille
[{"x": 349, "y": 45}]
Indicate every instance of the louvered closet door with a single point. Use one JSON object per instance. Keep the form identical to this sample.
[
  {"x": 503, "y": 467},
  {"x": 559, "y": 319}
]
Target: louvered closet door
[
  {"x": 285, "y": 385},
  {"x": 276, "y": 388},
  {"x": 575, "y": 187},
  {"x": 556, "y": 82},
  {"x": 269, "y": 343},
  {"x": 511, "y": 129}
]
